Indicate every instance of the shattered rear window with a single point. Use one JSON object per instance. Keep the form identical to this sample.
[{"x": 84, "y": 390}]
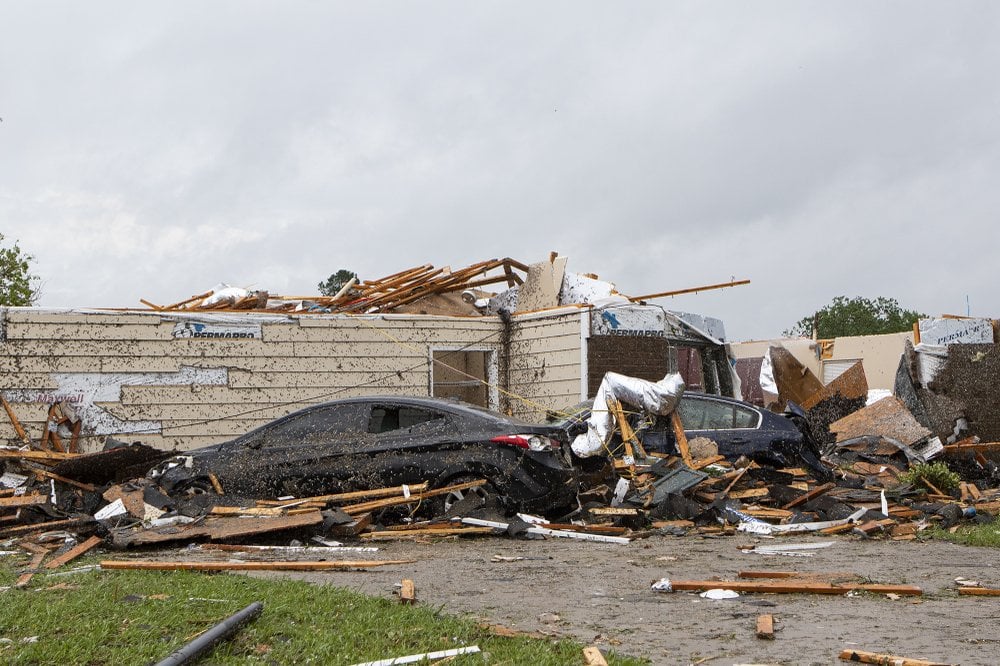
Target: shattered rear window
[{"x": 387, "y": 419}]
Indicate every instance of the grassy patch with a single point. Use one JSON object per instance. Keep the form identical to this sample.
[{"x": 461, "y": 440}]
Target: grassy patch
[
  {"x": 987, "y": 534},
  {"x": 131, "y": 617}
]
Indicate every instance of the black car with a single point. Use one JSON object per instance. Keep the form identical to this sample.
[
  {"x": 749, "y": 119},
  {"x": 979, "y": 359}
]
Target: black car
[
  {"x": 739, "y": 429},
  {"x": 380, "y": 441}
]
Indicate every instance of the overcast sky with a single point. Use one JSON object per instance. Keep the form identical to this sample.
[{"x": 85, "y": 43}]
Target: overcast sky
[{"x": 817, "y": 149}]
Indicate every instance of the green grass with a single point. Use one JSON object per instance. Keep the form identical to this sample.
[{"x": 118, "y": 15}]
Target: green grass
[
  {"x": 987, "y": 534},
  {"x": 133, "y": 617}
]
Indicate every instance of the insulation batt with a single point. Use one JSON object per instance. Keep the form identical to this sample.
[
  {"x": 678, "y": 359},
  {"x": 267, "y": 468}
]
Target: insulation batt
[{"x": 658, "y": 398}]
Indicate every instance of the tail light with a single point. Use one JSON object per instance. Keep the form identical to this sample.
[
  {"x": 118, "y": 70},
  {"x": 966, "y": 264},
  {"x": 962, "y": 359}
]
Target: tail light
[{"x": 530, "y": 442}]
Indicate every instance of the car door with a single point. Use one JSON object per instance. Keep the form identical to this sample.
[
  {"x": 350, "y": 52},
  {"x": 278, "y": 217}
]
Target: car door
[
  {"x": 407, "y": 442},
  {"x": 306, "y": 443},
  {"x": 733, "y": 426}
]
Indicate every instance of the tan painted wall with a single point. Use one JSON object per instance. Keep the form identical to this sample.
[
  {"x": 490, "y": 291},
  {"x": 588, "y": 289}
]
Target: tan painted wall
[
  {"x": 880, "y": 355},
  {"x": 130, "y": 377},
  {"x": 546, "y": 362}
]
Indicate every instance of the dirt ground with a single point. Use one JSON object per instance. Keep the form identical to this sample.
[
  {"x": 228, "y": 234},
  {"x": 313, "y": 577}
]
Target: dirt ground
[{"x": 600, "y": 593}]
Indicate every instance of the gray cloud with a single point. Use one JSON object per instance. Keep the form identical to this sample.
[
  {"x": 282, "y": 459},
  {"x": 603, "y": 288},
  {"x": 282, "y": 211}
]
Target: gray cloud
[{"x": 818, "y": 149}]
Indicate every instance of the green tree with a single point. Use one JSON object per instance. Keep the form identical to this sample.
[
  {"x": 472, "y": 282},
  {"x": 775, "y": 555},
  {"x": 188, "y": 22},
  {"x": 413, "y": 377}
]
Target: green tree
[
  {"x": 856, "y": 316},
  {"x": 336, "y": 282},
  {"x": 18, "y": 286}
]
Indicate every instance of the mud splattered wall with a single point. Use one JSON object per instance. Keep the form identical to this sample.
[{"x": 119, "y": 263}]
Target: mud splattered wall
[
  {"x": 171, "y": 383},
  {"x": 546, "y": 362},
  {"x": 181, "y": 383}
]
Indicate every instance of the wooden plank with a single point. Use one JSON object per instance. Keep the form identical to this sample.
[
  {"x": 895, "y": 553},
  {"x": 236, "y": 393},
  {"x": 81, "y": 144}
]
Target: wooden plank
[
  {"x": 765, "y": 627},
  {"x": 14, "y": 422},
  {"x": 750, "y": 493},
  {"x": 858, "y": 656},
  {"x": 972, "y": 447},
  {"x": 44, "y": 527},
  {"x": 815, "y": 492},
  {"x": 219, "y": 528},
  {"x": 793, "y": 587},
  {"x": 249, "y": 566},
  {"x": 62, "y": 479},
  {"x": 355, "y": 495},
  {"x": 36, "y": 562},
  {"x": 38, "y": 456},
  {"x": 216, "y": 484},
  {"x": 682, "y": 442},
  {"x": 701, "y": 464},
  {"x": 365, "y": 507},
  {"x": 75, "y": 552},
  {"x": 17, "y": 502},
  {"x": 246, "y": 511},
  {"x": 592, "y": 656},
  {"x": 395, "y": 535},
  {"x": 979, "y": 591},
  {"x": 407, "y": 592}
]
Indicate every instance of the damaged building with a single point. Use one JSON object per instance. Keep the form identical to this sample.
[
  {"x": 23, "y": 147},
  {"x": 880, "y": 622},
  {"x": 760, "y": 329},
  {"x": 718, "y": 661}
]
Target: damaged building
[{"x": 219, "y": 364}]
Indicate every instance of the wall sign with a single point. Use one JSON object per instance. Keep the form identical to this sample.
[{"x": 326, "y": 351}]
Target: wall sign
[{"x": 191, "y": 329}]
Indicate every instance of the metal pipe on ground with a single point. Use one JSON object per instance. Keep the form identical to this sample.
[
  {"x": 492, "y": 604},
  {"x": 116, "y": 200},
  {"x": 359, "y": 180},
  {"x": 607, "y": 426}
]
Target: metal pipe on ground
[{"x": 204, "y": 643}]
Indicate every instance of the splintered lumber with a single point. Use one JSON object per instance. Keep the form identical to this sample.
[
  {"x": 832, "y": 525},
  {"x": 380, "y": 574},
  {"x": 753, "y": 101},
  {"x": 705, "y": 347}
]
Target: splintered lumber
[
  {"x": 74, "y": 552},
  {"x": 38, "y": 456},
  {"x": 407, "y": 592},
  {"x": 858, "y": 656},
  {"x": 682, "y": 441},
  {"x": 14, "y": 422},
  {"x": 44, "y": 527},
  {"x": 701, "y": 464},
  {"x": 216, "y": 485},
  {"x": 592, "y": 657},
  {"x": 689, "y": 290},
  {"x": 765, "y": 627},
  {"x": 248, "y": 566},
  {"x": 365, "y": 507},
  {"x": 23, "y": 500},
  {"x": 388, "y": 535},
  {"x": 36, "y": 561},
  {"x": 972, "y": 447},
  {"x": 750, "y": 493},
  {"x": 374, "y": 493},
  {"x": 62, "y": 479},
  {"x": 245, "y": 511},
  {"x": 254, "y": 548},
  {"x": 979, "y": 591},
  {"x": 812, "y": 494},
  {"x": 793, "y": 587}
]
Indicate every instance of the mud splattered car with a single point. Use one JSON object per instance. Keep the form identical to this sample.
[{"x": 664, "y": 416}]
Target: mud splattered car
[{"x": 380, "y": 441}]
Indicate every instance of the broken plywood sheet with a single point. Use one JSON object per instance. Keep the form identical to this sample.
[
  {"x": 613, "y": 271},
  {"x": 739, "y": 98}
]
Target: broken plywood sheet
[
  {"x": 852, "y": 383},
  {"x": 796, "y": 383},
  {"x": 888, "y": 417},
  {"x": 542, "y": 286},
  {"x": 216, "y": 528}
]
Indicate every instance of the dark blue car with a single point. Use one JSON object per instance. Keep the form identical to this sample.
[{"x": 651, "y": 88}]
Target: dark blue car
[{"x": 739, "y": 429}]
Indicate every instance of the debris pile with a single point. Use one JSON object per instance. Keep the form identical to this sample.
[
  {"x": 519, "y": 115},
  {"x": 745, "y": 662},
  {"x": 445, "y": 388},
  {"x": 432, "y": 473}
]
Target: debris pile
[{"x": 891, "y": 468}]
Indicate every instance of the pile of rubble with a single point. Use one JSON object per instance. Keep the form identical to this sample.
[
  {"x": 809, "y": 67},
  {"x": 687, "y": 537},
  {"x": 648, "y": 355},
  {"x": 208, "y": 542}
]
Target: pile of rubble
[
  {"x": 427, "y": 289},
  {"x": 875, "y": 478}
]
